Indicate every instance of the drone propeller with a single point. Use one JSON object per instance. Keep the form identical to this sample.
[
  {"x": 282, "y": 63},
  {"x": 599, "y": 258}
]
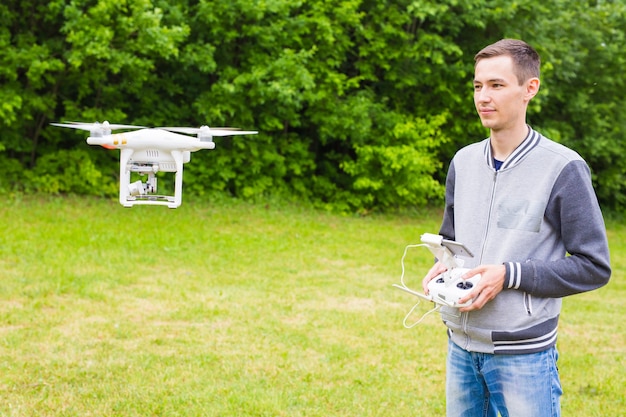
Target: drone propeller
[
  {"x": 96, "y": 127},
  {"x": 213, "y": 131}
]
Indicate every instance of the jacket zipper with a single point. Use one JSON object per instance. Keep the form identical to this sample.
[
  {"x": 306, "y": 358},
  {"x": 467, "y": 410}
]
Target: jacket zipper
[
  {"x": 465, "y": 316},
  {"x": 493, "y": 196}
]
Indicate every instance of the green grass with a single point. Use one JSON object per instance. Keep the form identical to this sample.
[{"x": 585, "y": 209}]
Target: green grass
[{"x": 231, "y": 309}]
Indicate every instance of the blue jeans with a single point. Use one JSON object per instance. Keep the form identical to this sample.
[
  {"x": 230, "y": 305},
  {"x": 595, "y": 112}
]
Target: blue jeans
[{"x": 483, "y": 385}]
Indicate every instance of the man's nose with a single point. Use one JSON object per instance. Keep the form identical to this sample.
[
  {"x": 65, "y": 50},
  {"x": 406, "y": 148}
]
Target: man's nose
[{"x": 482, "y": 95}]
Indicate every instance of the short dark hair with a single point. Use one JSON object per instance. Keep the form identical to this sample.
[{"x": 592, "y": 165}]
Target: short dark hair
[{"x": 526, "y": 61}]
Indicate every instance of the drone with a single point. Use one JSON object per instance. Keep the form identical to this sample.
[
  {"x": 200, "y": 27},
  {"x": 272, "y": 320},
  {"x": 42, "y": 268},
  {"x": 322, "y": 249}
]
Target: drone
[{"x": 147, "y": 151}]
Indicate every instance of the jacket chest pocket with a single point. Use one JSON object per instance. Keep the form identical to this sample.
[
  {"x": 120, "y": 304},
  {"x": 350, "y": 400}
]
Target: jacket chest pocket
[{"x": 521, "y": 214}]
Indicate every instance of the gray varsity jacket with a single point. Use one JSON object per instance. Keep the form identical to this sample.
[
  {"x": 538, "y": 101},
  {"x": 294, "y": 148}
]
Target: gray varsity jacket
[{"x": 539, "y": 216}]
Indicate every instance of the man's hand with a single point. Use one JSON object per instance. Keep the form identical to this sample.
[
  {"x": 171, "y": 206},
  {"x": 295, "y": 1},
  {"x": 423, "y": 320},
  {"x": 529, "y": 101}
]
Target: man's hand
[
  {"x": 490, "y": 285},
  {"x": 436, "y": 269}
]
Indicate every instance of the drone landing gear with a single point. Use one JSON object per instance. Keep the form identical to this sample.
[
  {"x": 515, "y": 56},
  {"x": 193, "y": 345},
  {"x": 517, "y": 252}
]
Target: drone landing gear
[
  {"x": 146, "y": 191},
  {"x": 140, "y": 192}
]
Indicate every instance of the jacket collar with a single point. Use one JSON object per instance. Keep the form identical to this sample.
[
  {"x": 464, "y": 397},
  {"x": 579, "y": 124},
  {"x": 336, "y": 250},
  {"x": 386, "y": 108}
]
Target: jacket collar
[{"x": 518, "y": 154}]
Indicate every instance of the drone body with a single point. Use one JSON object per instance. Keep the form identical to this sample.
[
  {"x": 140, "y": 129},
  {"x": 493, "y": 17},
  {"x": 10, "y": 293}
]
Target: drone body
[{"x": 147, "y": 151}]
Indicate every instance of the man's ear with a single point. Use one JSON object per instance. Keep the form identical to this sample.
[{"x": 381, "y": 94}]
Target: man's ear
[{"x": 532, "y": 88}]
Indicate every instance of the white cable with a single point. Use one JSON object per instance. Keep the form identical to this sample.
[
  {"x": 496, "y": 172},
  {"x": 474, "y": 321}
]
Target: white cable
[
  {"x": 437, "y": 306},
  {"x": 402, "y": 260},
  {"x": 410, "y": 326}
]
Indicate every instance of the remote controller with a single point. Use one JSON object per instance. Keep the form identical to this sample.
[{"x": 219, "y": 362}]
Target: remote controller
[{"x": 447, "y": 288}]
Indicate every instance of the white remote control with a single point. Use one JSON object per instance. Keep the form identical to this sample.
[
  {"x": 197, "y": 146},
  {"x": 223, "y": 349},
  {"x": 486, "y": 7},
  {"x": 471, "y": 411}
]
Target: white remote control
[{"x": 447, "y": 288}]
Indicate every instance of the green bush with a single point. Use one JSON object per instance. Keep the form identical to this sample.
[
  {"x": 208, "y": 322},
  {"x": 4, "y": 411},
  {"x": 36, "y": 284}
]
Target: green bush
[
  {"x": 359, "y": 104},
  {"x": 68, "y": 171}
]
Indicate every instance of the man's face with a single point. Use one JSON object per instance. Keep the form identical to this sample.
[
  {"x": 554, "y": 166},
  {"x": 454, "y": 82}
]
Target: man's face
[{"x": 499, "y": 99}]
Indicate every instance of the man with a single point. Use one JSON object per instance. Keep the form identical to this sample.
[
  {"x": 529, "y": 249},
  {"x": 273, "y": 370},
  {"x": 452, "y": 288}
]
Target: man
[{"x": 525, "y": 207}]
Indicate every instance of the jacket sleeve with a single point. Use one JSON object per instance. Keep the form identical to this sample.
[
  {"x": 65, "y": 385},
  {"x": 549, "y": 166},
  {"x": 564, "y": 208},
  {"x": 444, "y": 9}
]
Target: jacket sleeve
[
  {"x": 574, "y": 210},
  {"x": 447, "y": 225}
]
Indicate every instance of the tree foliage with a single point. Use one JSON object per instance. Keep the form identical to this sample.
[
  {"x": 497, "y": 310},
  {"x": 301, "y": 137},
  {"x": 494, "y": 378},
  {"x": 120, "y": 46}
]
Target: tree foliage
[{"x": 360, "y": 104}]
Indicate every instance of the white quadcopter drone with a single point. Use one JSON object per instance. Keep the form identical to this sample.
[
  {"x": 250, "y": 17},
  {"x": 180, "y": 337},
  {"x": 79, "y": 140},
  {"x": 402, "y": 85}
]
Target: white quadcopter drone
[{"x": 147, "y": 151}]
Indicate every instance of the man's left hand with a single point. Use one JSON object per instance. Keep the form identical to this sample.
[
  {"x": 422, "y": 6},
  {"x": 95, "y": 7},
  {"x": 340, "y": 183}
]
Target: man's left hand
[{"x": 490, "y": 285}]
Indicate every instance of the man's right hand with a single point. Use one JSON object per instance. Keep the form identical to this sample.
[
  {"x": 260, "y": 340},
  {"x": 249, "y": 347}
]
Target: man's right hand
[{"x": 436, "y": 269}]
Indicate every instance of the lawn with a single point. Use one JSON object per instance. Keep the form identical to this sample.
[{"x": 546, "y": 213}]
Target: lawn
[{"x": 233, "y": 309}]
